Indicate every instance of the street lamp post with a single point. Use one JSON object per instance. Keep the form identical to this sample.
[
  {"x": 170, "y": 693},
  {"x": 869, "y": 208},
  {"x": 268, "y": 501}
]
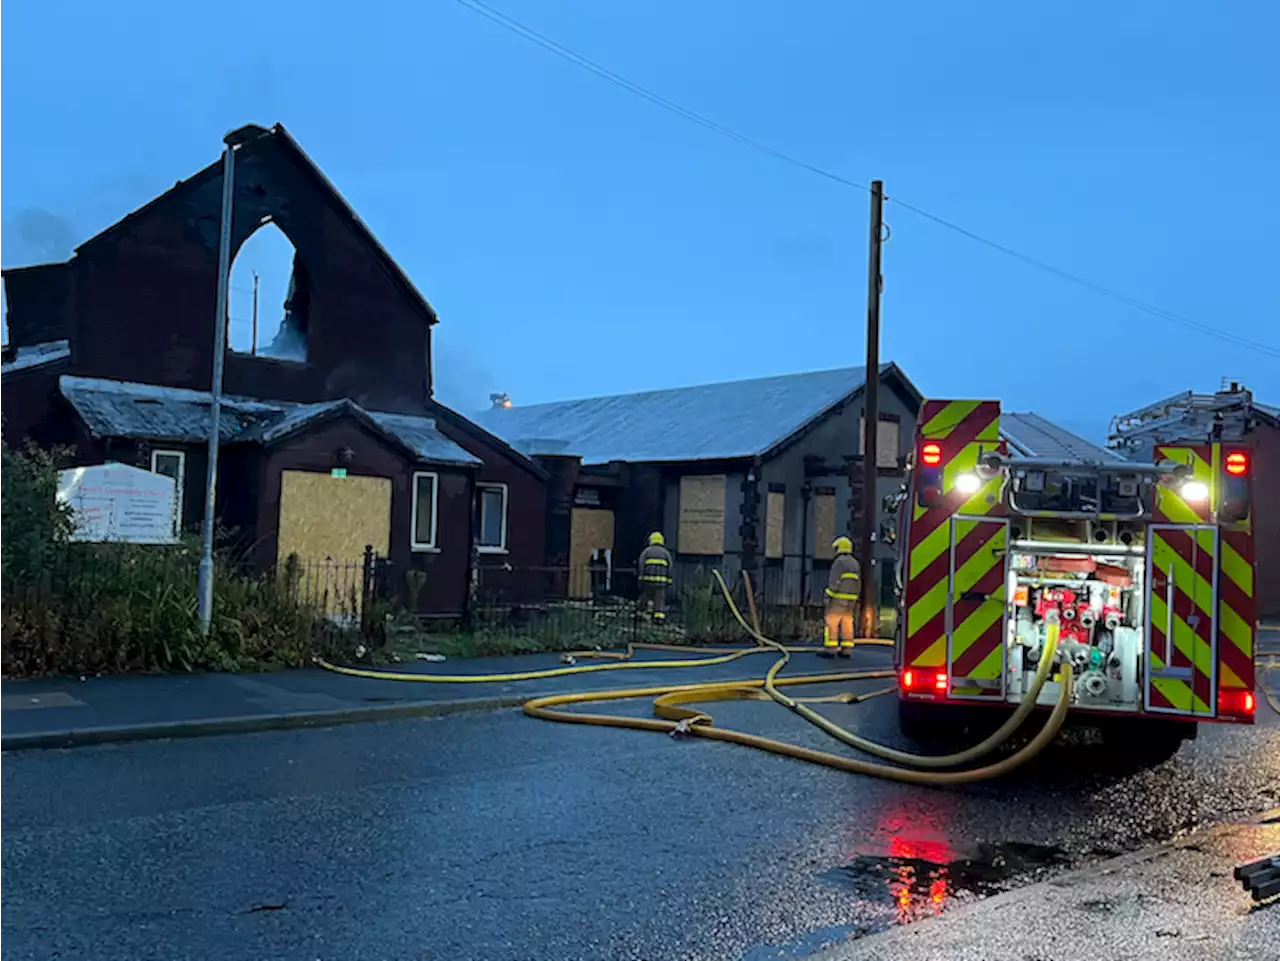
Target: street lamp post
[{"x": 204, "y": 586}]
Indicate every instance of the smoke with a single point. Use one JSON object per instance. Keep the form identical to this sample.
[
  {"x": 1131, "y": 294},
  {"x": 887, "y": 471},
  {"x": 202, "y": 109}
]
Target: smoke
[
  {"x": 36, "y": 236},
  {"x": 460, "y": 381}
]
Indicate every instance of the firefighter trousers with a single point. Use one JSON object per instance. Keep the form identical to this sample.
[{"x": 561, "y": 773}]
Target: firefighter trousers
[
  {"x": 839, "y": 624},
  {"x": 653, "y": 599}
]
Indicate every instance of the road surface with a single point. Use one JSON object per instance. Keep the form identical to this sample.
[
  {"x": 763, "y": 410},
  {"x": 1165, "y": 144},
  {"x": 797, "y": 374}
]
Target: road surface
[{"x": 495, "y": 836}]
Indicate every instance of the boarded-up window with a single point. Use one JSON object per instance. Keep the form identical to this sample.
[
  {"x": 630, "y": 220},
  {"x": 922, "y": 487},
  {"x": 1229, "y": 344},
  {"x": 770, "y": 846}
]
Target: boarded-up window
[
  {"x": 701, "y": 515},
  {"x": 886, "y": 440},
  {"x": 775, "y": 514},
  {"x": 824, "y": 525}
]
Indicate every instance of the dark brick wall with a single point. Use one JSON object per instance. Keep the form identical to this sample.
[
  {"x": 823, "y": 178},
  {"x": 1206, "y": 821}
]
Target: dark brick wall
[
  {"x": 526, "y": 492},
  {"x": 564, "y": 472},
  {"x": 34, "y": 410},
  {"x": 38, "y": 303},
  {"x": 145, "y": 294},
  {"x": 640, "y": 511},
  {"x": 446, "y": 568}
]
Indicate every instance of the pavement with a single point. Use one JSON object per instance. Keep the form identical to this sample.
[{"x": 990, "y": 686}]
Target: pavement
[
  {"x": 493, "y": 836},
  {"x": 68, "y": 712},
  {"x": 1172, "y": 902}
]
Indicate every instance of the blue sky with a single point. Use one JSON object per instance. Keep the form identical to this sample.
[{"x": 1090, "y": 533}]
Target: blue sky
[{"x": 578, "y": 240}]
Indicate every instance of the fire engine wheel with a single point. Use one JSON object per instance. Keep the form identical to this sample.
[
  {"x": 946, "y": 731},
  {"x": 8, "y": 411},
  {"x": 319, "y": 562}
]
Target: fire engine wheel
[
  {"x": 927, "y": 723},
  {"x": 1145, "y": 743}
]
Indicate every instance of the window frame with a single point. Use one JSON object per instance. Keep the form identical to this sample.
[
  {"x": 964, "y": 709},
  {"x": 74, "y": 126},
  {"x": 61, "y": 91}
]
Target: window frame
[
  {"x": 180, "y": 482},
  {"x": 506, "y": 494},
  {"x": 414, "y": 543}
]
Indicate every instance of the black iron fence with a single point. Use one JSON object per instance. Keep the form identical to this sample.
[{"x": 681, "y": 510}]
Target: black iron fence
[{"x": 593, "y": 605}]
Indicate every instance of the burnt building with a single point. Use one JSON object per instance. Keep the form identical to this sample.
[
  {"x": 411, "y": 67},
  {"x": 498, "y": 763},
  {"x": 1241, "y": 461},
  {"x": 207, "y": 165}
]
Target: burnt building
[
  {"x": 1230, "y": 415},
  {"x": 755, "y": 474},
  {"x": 331, "y": 437}
]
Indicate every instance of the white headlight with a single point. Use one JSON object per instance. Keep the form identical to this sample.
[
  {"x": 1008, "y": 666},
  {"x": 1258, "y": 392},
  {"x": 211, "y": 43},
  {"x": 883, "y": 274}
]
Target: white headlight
[
  {"x": 1195, "y": 491},
  {"x": 968, "y": 483}
]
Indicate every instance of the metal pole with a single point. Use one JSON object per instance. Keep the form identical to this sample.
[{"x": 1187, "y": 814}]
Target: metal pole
[
  {"x": 254, "y": 349},
  {"x": 205, "y": 583},
  {"x": 869, "y": 619}
]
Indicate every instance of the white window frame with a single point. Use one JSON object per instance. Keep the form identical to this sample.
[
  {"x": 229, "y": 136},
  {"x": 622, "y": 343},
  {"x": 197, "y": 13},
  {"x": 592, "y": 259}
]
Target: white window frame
[
  {"x": 180, "y": 482},
  {"x": 491, "y": 485},
  {"x": 414, "y": 543}
]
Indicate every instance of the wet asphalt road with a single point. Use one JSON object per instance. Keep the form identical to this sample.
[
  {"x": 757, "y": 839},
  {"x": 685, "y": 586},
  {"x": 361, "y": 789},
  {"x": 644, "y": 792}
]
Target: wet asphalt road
[{"x": 500, "y": 837}]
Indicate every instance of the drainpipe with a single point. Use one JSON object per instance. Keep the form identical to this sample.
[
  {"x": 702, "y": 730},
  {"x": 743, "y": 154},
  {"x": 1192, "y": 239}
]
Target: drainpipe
[{"x": 806, "y": 494}]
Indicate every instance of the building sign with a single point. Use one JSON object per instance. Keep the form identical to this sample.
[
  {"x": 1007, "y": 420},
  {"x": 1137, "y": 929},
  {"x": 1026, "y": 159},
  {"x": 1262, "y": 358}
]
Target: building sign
[
  {"x": 701, "y": 515},
  {"x": 114, "y": 502},
  {"x": 586, "y": 497}
]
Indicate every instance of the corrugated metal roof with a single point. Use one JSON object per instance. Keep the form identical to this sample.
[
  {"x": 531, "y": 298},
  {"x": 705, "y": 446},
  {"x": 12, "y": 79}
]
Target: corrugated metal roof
[
  {"x": 741, "y": 418},
  {"x": 121, "y": 409},
  {"x": 1030, "y": 435},
  {"x": 37, "y": 355}
]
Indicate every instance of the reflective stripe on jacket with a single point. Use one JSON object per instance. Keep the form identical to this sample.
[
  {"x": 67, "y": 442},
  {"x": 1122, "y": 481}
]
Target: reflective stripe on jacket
[
  {"x": 845, "y": 580},
  {"x": 655, "y": 565}
]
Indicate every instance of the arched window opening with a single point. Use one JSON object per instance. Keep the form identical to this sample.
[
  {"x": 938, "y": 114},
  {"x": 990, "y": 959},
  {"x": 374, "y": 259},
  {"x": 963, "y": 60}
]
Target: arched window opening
[{"x": 267, "y": 307}]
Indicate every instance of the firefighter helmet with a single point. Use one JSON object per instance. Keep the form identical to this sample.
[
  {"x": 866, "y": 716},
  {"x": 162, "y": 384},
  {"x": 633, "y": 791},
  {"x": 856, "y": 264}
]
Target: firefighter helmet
[
  {"x": 842, "y": 545},
  {"x": 656, "y": 538}
]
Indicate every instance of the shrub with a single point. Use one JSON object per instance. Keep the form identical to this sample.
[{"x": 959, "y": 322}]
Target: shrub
[{"x": 71, "y": 608}]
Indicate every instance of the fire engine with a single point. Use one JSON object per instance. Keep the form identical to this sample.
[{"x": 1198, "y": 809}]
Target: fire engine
[{"x": 1011, "y": 529}]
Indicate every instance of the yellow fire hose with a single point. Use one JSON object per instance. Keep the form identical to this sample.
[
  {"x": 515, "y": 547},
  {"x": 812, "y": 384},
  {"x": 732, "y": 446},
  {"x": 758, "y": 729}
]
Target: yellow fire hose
[
  {"x": 699, "y": 724},
  {"x": 982, "y": 748},
  {"x": 673, "y": 718}
]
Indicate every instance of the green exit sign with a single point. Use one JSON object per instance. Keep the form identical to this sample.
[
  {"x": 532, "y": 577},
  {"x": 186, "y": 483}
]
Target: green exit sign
[{"x": 337, "y": 472}]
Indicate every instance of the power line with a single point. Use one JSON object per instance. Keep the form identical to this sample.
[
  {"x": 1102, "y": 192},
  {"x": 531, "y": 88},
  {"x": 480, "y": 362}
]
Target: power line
[{"x": 528, "y": 33}]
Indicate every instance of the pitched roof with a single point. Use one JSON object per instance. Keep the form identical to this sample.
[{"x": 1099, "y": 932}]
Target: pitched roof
[
  {"x": 285, "y": 139},
  {"x": 743, "y": 418},
  {"x": 37, "y": 355},
  {"x": 1030, "y": 435},
  {"x": 120, "y": 409}
]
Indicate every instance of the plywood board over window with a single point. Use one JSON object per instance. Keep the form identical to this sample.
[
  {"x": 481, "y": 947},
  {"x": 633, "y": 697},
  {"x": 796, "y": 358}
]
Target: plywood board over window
[
  {"x": 327, "y": 521},
  {"x": 324, "y": 516},
  {"x": 701, "y": 515},
  {"x": 824, "y": 525},
  {"x": 775, "y": 515},
  {"x": 590, "y": 532},
  {"x": 887, "y": 433}
]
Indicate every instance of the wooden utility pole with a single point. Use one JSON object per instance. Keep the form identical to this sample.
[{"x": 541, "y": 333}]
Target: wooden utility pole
[
  {"x": 869, "y": 619},
  {"x": 254, "y": 348}
]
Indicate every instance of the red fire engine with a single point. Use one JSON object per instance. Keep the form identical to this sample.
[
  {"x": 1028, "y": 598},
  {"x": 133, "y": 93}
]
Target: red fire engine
[{"x": 1012, "y": 528}]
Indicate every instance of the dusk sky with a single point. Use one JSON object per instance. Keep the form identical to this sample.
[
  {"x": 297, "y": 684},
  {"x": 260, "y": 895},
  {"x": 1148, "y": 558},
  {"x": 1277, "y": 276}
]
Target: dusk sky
[{"x": 578, "y": 240}]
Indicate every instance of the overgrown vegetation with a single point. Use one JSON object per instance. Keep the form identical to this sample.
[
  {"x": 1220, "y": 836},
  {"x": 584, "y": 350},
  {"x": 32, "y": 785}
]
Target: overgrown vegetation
[{"x": 73, "y": 608}]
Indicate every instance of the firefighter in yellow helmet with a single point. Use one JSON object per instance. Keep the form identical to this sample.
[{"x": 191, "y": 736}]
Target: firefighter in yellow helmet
[
  {"x": 843, "y": 586},
  {"x": 655, "y": 577}
]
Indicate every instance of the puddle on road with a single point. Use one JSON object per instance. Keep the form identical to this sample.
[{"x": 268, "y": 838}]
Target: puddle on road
[{"x": 918, "y": 886}]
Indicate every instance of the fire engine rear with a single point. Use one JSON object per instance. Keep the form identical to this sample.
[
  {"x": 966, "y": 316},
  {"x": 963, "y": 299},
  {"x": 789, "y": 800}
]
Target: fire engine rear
[{"x": 1018, "y": 533}]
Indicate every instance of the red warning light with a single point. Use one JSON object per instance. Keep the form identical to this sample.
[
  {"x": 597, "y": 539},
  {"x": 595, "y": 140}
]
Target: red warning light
[
  {"x": 1237, "y": 463},
  {"x": 940, "y": 682},
  {"x": 1238, "y": 703},
  {"x": 931, "y": 455},
  {"x": 908, "y": 680}
]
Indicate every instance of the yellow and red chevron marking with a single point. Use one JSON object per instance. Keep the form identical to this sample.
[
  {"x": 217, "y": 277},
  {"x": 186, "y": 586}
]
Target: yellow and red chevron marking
[
  {"x": 1237, "y": 610},
  {"x": 1171, "y": 506},
  {"x": 1192, "y": 564},
  {"x": 1237, "y": 613},
  {"x": 960, "y": 420},
  {"x": 963, "y": 429}
]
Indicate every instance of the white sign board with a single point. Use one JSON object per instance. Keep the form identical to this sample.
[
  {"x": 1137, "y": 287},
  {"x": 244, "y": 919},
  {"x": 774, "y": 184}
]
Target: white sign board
[{"x": 114, "y": 502}]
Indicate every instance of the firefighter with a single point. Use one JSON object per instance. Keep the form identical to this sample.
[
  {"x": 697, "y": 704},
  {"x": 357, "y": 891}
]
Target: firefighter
[
  {"x": 842, "y": 600},
  {"x": 655, "y": 575}
]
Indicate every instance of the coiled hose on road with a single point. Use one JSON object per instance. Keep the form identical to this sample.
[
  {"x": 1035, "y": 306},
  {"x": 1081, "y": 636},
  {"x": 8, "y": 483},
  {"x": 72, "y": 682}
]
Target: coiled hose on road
[{"x": 673, "y": 718}]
